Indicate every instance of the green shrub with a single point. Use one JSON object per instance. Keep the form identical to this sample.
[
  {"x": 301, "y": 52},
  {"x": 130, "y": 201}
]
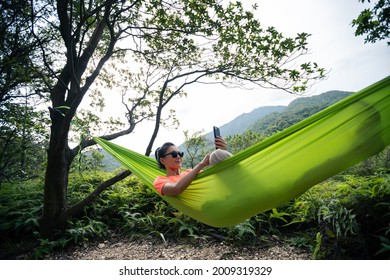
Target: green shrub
[
  {"x": 351, "y": 213},
  {"x": 20, "y": 208}
]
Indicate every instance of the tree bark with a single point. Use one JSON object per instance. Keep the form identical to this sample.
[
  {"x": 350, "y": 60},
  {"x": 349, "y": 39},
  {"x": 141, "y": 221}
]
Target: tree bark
[{"x": 54, "y": 216}]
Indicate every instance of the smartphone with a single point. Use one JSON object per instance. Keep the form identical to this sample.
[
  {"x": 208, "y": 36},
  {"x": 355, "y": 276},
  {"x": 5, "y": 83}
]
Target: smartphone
[{"x": 217, "y": 132}]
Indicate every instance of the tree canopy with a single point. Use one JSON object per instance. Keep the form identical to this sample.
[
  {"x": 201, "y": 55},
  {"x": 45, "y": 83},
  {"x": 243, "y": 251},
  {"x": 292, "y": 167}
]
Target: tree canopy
[{"x": 374, "y": 22}]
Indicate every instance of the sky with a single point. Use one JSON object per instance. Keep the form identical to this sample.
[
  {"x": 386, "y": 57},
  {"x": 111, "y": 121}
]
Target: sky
[{"x": 353, "y": 66}]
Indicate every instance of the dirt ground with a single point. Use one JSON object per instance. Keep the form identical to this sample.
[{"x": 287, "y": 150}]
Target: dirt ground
[{"x": 125, "y": 249}]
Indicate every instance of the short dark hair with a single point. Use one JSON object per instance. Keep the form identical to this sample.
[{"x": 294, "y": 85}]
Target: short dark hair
[{"x": 160, "y": 152}]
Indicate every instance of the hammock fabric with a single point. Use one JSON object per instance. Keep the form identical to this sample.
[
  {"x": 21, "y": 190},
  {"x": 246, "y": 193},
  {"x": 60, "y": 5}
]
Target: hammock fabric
[{"x": 281, "y": 167}]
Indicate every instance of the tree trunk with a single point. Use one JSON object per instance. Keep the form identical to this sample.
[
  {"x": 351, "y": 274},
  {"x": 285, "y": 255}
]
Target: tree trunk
[{"x": 54, "y": 216}]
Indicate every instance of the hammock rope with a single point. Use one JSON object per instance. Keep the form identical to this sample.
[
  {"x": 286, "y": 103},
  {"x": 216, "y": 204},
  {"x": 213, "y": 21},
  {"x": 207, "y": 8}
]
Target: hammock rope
[{"x": 281, "y": 167}]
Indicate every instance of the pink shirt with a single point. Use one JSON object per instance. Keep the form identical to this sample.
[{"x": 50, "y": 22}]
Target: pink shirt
[{"x": 162, "y": 180}]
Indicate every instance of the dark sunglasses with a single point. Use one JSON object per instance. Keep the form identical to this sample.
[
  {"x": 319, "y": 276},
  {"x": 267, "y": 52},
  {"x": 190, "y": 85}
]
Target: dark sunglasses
[{"x": 174, "y": 154}]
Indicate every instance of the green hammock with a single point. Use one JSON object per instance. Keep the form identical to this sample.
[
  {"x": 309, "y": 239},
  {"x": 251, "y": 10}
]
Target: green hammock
[{"x": 281, "y": 167}]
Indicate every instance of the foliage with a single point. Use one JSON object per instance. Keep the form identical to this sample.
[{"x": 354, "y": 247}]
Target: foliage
[
  {"x": 195, "y": 146},
  {"x": 350, "y": 212},
  {"x": 374, "y": 22},
  {"x": 89, "y": 160},
  {"x": 23, "y": 140},
  {"x": 23, "y": 124},
  {"x": 19, "y": 53},
  {"x": 242, "y": 232},
  {"x": 20, "y": 209},
  {"x": 242, "y": 141}
]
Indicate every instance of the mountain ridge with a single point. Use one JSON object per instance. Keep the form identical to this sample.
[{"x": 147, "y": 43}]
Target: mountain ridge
[{"x": 262, "y": 118}]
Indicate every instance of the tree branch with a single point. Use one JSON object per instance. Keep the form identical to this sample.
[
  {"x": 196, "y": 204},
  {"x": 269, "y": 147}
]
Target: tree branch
[{"x": 78, "y": 207}]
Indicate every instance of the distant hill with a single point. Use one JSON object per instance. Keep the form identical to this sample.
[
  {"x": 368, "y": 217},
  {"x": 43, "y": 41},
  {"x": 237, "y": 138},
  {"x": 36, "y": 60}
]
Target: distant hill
[
  {"x": 297, "y": 110},
  {"x": 244, "y": 121},
  {"x": 109, "y": 162}
]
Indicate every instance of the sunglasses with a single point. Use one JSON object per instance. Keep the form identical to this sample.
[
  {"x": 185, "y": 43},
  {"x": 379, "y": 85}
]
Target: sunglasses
[{"x": 174, "y": 154}]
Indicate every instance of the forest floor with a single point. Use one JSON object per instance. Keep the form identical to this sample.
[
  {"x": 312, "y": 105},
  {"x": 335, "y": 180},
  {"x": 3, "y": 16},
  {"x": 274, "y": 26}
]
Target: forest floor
[{"x": 122, "y": 248}]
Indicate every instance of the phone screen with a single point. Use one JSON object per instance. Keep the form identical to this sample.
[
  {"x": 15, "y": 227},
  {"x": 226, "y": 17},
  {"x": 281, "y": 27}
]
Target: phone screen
[{"x": 216, "y": 132}]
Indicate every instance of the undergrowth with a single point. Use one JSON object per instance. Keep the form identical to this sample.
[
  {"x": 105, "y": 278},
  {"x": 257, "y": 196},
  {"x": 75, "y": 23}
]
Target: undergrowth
[{"x": 346, "y": 217}]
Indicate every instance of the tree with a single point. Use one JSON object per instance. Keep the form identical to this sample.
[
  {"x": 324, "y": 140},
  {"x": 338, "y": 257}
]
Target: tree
[
  {"x": 23, "y": 122},
  {"x": 194, "y": 144},
  {"x": 240, "y": 142},
  {"x": 374, "y": 22},
  {"x": 19, "y": 54},
  {"x": 172, "y": 44},
  {"x": 23, "y": 139}
]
